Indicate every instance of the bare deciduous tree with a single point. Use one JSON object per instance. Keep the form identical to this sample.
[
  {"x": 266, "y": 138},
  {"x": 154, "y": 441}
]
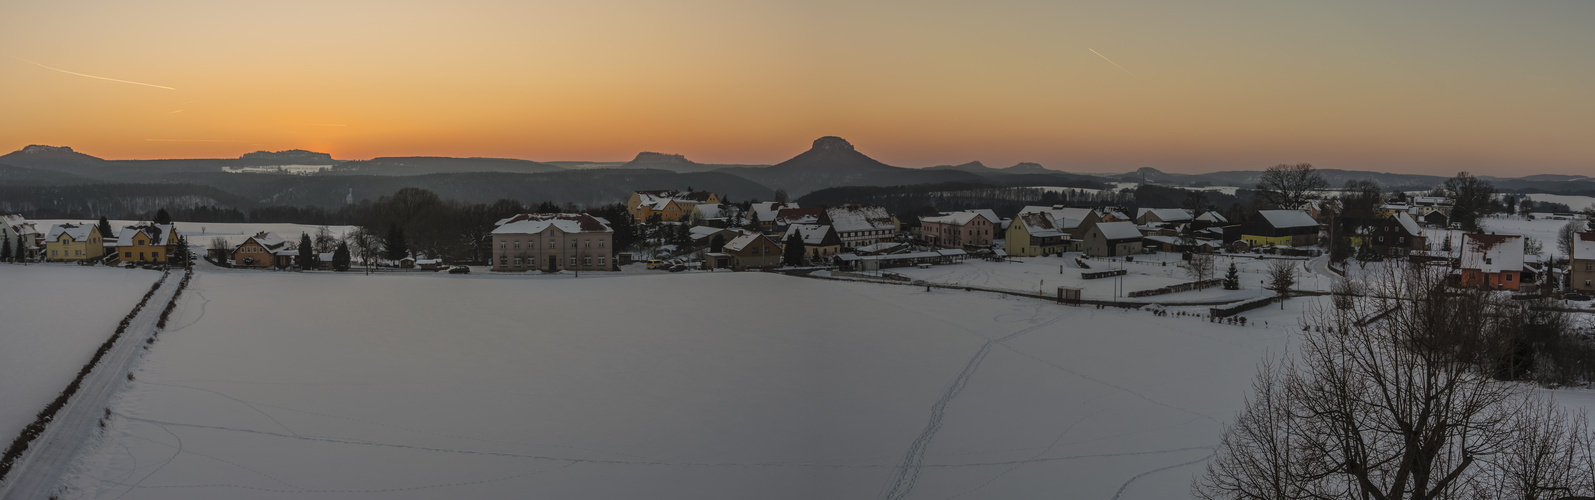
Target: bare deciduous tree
[
  {"x": 1201, "y": 266},
  {"x": 1289, "y": 186},
  {"x": 1565, "y": 237},
  {"x": 1281, "y": 277},
  {"x": 1391, "y": 396}
]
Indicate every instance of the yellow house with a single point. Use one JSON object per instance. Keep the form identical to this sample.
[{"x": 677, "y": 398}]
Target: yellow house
[
  {"x": 1037, "y": 234},
  {"x": 670, "y": 206},
  {"x": 146, "y": 243},
  {"x": 73, "y": 242}
]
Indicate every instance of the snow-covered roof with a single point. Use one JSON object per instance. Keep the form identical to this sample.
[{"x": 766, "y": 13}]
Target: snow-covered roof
[
  {"x": 1212, "y": 216},
  {"x": 710, "y": 211},
  {"x": 769, "y": 210},
  {"x": 1165, "y": 214},
  {"x": 961, "y": 217},
  {"x": 78, "y": 232},
  {"x": 741, "y": 242},
  {"x": 1059, "y": 212},
  {"x": 1408, "y": 225},
  {"x": 799, "y": 216},
  {"x": 849, "y": 218},
  {"x": 1118, "y": 230},
  {"x": 1281, "y": 219},
  {"x": 537, "y": 223},
  {"x": 1492, "y": 253},
  {"x": 657, "y": 200},
  {"x": 1166, "y": 240},
  {"x": 1584, "y": 246},
  {"x": 159, "y": 234},
  {"x": 878, "y": 247},
  {"x": 701, "y": 232},
  {"x": 1041, "y": 224},
  {"x": 812, "y": 234}
]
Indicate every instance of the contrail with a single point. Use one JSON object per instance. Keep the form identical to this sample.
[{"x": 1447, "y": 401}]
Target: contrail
[
  {"x": 92, "y": 76},
  {"x": 1110, "y": 61}
]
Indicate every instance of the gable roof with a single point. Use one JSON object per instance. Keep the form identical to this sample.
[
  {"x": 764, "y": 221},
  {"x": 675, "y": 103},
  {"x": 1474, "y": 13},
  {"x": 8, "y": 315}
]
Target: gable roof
[
  {"x": 1118, "y": 230},
  {"x": 1042, "y": 225},
  {"x": 1407, "y": 224},
  {"x": 1281, "y": 219},
  {"x": 159, "y": 234},
  {"x": 78, "y": 232},
  {"x": 961, "y": 217},
  {"x": 768, "y": 210},
  {"x": 1212, "y": 216},
  {"x": 658, "y": 199},
  {"x": 796, "y": 215},
  {"x": 1165, "y": 214},
  {"x": 812, "y": 234},
  {"x": 1492, "y": 253},
  {"x": 1584, "y": 246},
  {"x": 537, "y": 223},
  {"x": 741, "y": 242},
  {"x": 848, "y": 218}
]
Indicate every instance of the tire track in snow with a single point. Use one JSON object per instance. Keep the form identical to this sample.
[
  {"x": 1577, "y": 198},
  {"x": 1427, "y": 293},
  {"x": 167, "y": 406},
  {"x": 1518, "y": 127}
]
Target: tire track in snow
[{"x": 907, "y": 473}]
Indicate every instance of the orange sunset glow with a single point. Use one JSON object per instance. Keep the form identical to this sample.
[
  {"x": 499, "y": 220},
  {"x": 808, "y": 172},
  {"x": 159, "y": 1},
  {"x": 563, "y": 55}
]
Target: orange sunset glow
[{"x": 1420, "y": 87}]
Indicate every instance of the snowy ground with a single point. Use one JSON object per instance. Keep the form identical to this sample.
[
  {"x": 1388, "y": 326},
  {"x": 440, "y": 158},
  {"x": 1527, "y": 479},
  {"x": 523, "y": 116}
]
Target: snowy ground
[
  {"x": 1038, "y": 274},
  {"x": 42, "y": 344},
  {"x": 700, "y": 385},
  {"x": 1542, "y": 228}
]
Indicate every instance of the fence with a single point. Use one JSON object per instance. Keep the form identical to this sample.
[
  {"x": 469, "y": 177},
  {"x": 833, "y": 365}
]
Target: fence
[
  {"x": 1220, "y": 312},
  {"x": 1103, "y": 274},
  {"x": 1182, "y": 287}
]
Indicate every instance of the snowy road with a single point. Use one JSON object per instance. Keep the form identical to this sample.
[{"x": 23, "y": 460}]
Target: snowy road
[{"x": 39, "y": 470}]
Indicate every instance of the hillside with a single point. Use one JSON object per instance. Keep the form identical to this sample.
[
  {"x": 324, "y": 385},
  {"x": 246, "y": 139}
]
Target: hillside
[
  {"x": 832, "y": 162},
  {"x": 423, "y": 165}
]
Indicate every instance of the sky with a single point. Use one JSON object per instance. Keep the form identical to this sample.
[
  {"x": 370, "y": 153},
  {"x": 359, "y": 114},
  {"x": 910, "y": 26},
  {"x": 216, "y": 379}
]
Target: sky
[{"x": 1495, "y": 88}]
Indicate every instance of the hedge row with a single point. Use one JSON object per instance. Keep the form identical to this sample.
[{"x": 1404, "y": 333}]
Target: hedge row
[
  {"x": 1221, "y": 312},
  {"x": 33, "y": 430},
  {"x": 1182, "y": 287}
]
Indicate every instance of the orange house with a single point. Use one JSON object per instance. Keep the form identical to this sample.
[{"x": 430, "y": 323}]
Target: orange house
[{"x": 1491, "y": 260}]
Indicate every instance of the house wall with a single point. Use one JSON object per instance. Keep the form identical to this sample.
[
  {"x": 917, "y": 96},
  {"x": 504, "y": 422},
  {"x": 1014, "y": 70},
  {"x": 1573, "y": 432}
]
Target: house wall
[
  {"x": 753, "y": 257},
  {"x": 1582, "y": 274},
  {"x": 250, "y": 250},
  {"x": 978, "y": 232},
  {"x": 65, "y": 248},
  {"x": 144, "y": 252},
  {"x": 593, "y": 251},
  {"x": 1096, "y": 245},
  {"x": 1505, "y": 280}
]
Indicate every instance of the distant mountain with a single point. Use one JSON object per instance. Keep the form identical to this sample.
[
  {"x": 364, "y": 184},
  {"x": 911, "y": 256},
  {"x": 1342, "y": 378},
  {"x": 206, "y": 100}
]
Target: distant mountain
[
  {"x": 53, "y": 158},
  {"x": 976, "y": 167},
  {"x": 1028, "y": 168},
  {"x": 18, "y": 176},
  {"x": 424, "y": 165},
  {"x": 291, "y": 157},
  {"x": 833, "y": 162},
  {"x": 973, "y": 167},
  {"x": 664, "y": 161}
]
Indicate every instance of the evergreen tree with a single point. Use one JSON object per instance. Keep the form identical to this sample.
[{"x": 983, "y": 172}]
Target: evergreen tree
[
  {"x": 5, "y": 249},
  {"x": 340, "y": 257},
  {"x": 105, "y": 227},
  {"x": 717, "y": 243},
  {"x": 397, "y": 248},
  {"x": 792, "y": 254},
  {"x": 307, "y": 252},
  {"x": 161, "y": 217},
  {"x": 1232, "y": 279}
]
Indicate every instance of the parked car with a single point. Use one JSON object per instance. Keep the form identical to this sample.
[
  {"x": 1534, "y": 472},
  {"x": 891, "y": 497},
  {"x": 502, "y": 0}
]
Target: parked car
[
  {"x": 678, "y": 268},
  {"x": 460, "y": 270},
  {"x": 655, "y": 264},
  {"x": 1576, "y": 296}
]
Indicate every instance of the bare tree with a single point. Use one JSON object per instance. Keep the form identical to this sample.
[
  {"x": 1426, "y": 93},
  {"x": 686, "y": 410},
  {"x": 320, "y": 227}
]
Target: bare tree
[
  {"x": 1565, "y": 238},
  {"x": 368, "y": 244},
  {"x": 219, "y": 247},
  {"x": 325, "y": 242},
  {"x": 1201, "y": 266},
  {"x": 1472, "y": 198},
  {"x": 1391, "y": 395},
  {"x": 1281, "y": 277},
  {"x": 1289, "y": 186}
]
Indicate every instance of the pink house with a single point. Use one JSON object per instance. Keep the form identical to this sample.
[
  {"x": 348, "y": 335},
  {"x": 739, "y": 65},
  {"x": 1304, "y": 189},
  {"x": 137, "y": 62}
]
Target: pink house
[
  {"x": 553, "y": 242},
  {"x": 969, "y": 228}
]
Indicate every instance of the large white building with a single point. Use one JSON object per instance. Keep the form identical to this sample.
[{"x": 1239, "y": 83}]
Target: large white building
[{"x": 553, "y": 242}]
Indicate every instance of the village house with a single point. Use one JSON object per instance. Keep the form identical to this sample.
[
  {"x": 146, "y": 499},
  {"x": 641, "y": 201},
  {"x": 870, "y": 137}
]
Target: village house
[
  {"x": 1035, "y": 234},
  {"x": 1494, "y": 261},
  {"x": 1211, "y": 218},
  {"x": 1284, "y": 228},
  {"x": 1112, "y": 239},
  {"x": 819, "y": 240},
  {"x": 1397, "y": 234},
  {"x": 72, "y": 241},
  {"x": 963, "y": 229},
  {"x": 146, "y": 243},
  {"x": 553, "y": 243},
  {"x": 704, "y": 236},
  {"x": 669, "y": 205},
  {"x": 1581, "y": 269},
  {"x": 766, "y": 212},
  {"x": 753, "y": 251},
  {"x": 264, "y": 249},
  {"x": 788, "y": 216},
  {"x": 859, "y": 225},
  {"x": 23, "y": 236},
  {"x": 1160, "y": 216},
  {"x": 1072, "y": 220}
]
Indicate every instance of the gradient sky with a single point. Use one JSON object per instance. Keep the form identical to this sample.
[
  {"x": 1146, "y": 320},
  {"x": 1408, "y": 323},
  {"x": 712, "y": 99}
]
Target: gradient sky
[{"x": 1500, "y": 88}]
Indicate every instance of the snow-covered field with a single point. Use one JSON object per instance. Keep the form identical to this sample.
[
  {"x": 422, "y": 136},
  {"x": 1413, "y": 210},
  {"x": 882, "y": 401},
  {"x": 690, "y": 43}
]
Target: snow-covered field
[
  {"x": 704, "y": 385},
  {"x": 1046, "y": 274},
  {"x": 200, "y": 234},
  {"x": 1542, "y": 228},
  {"x": 1576, "y": 203},
  {"x": 52, "y": 318}
]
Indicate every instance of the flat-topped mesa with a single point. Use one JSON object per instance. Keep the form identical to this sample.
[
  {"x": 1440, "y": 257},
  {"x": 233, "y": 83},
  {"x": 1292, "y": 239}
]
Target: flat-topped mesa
[
  {"x": 652, "y": 157},
  {"x": 297, "y": 155},
  {"x": 40, "y": 149},
  {"x": 831, "y": 142}
]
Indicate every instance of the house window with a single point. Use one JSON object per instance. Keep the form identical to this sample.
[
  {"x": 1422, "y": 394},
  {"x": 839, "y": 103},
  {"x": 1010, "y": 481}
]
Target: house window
[
  {"x": 517, "y": 261},
  {"x": 600, "y": 245},
  {"x": 1589, "y": 266},
  {"x": 587, "y": 243},
  {"x": 127, "y": 255},
  {"x": 1509, "y": 277},
  {"x": 551, "y": 243},
  {"x": 79, "y": 252},
  {"x": 155, "y": 255},
  {"x": 573, "y": 243},
  {"x": 503, "y": 261},
  {"x": 573, "y": 261},
  {"x": 600, "y": 258},
  {"x": 587, "y": 261},
  {"x": 517, "y": 243},
  {"x": 501, "y": 245}
]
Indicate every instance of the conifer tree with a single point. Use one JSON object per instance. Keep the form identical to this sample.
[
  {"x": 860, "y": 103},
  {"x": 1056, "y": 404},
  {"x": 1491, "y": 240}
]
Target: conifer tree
[
  {"x": 5, "y": 249},
  {"x": 397, "y": 248},
  {"x": 792, "y": 254},
  {"x": 1232, "y": 279},
  {"x": 105, "y": 227},
  {"x": 307, "y": 252},
  {"x": 340, "y": 257},
  {"x": 161, "y": 217}
]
